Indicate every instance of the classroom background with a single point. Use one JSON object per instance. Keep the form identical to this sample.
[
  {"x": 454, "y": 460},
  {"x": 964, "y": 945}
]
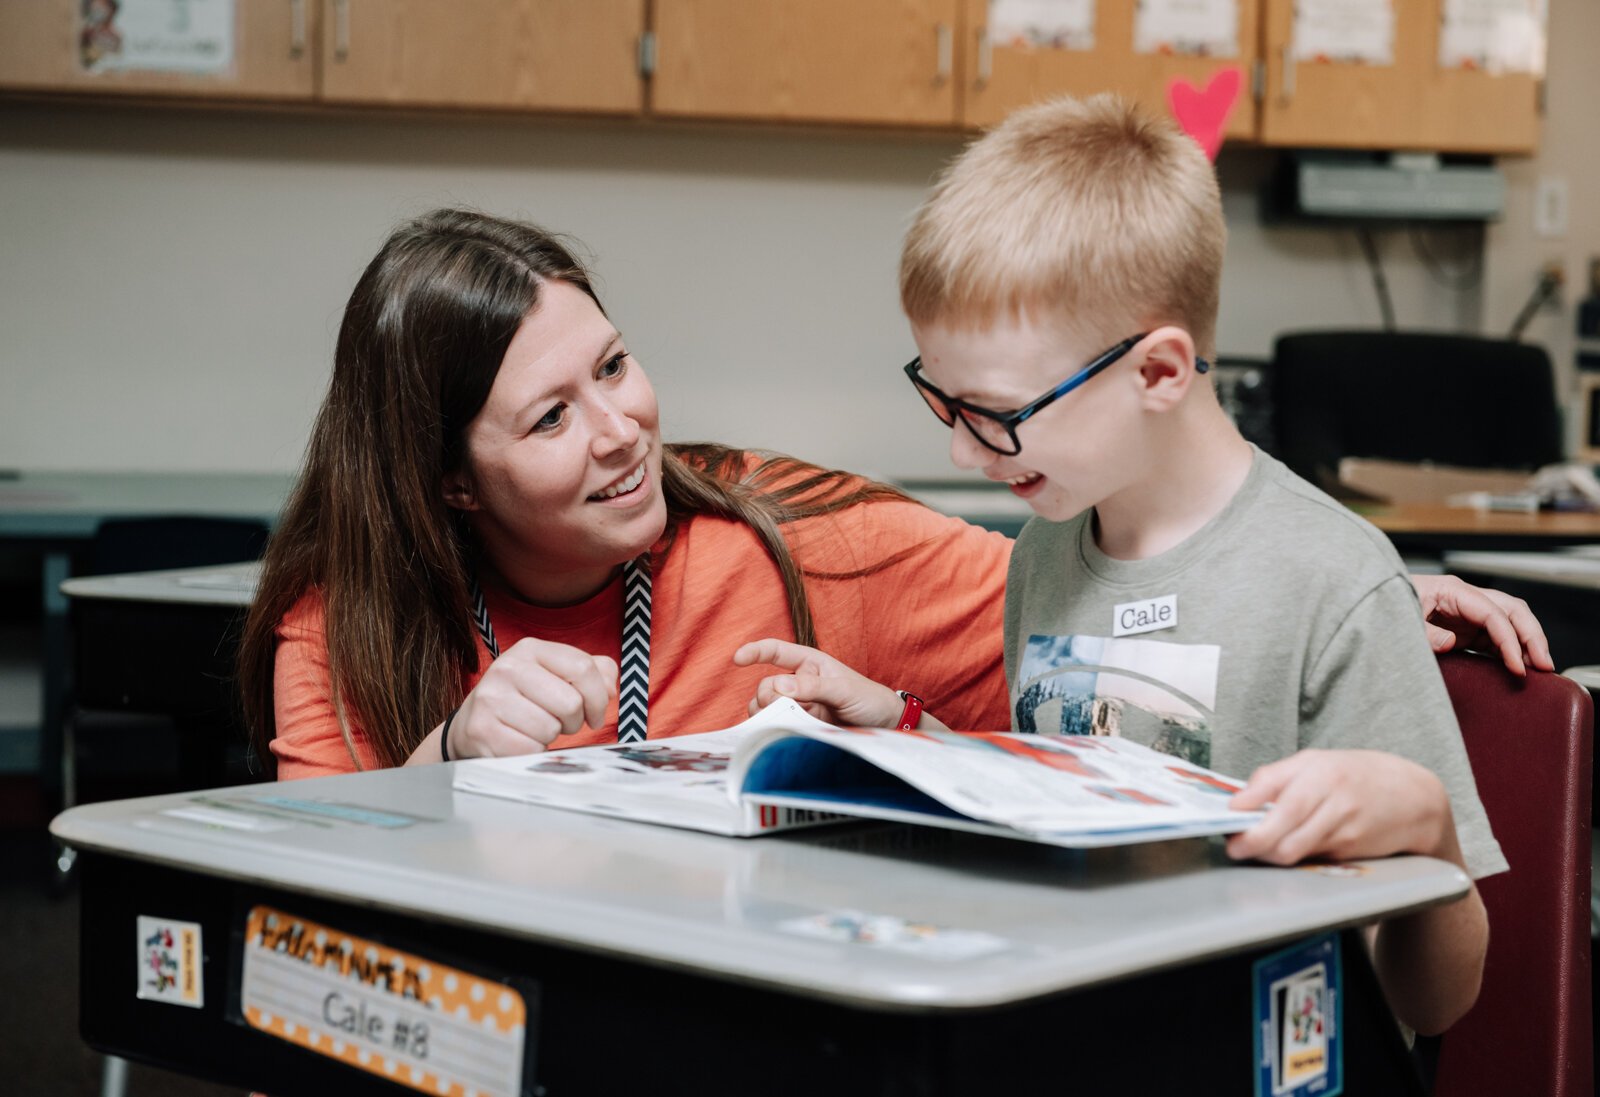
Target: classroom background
[{"x": 173, "y": 269}]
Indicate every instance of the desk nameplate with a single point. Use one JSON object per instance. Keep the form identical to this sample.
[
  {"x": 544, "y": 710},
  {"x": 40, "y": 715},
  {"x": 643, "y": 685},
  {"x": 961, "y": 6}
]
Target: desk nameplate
[{"x": 397, "y": 1015}]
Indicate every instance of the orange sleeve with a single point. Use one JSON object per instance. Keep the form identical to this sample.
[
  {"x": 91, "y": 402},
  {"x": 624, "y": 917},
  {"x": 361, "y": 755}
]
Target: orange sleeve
[
  {"x": 930, "y": 621},
  {"x": 308, "y": 742}
]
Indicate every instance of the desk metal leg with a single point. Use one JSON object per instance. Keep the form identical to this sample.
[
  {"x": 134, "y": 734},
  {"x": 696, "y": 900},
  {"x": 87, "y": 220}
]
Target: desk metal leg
[
  {"x": 113, "y": 1077},
  {"x": 57, "y": 676}
]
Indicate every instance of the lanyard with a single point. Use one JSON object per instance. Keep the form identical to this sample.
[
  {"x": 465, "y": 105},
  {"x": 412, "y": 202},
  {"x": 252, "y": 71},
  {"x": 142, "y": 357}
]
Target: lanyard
[{"x": 633, "y": 695}]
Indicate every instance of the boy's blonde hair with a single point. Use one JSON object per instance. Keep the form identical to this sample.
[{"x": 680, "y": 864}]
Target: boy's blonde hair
[{"x": 1086, "y": 210}]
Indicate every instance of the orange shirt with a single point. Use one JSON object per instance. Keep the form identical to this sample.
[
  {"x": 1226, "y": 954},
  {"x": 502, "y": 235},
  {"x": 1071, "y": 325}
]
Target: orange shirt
[{"x": 929, "y": 623}]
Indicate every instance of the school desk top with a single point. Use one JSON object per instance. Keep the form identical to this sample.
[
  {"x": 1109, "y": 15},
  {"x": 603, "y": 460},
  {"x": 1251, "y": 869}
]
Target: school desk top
[
  {"x": 219, "y": 585},
  {"x": 1015, "y": 920}
]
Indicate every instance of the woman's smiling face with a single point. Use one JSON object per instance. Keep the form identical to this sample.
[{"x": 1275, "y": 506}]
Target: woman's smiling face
[{"x": 562, "y": 478}]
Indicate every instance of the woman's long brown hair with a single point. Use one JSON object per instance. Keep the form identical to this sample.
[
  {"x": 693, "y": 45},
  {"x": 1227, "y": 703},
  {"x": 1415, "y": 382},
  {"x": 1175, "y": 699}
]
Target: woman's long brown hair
[{"x": 423, "y": 336}]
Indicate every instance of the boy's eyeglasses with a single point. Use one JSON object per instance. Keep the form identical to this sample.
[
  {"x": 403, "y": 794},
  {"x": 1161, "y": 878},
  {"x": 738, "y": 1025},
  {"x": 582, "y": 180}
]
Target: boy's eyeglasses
[{"x": 997, "y": 430}]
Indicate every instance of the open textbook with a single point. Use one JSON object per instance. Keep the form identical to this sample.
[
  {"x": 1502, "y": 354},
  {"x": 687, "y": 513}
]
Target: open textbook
[{"x": 783, "y": 768}]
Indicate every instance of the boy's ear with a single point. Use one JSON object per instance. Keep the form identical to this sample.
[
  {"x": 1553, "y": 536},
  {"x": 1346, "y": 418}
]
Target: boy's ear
[
  {"x": 1168, "y": 368},
  {"x": 458, "y": 491}
]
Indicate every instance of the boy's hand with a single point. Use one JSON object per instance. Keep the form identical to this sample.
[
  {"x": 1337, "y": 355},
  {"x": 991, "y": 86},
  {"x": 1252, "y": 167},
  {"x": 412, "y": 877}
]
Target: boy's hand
[
  {"x": 1344, "y": 804},
  {"x": 1460, "y": 615},
  {"x": 822, "y": 685}
]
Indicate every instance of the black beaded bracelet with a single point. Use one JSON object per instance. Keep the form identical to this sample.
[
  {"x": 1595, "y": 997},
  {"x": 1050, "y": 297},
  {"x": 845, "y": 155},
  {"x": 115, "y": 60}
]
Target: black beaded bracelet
[{"x": 444, "y": 735}]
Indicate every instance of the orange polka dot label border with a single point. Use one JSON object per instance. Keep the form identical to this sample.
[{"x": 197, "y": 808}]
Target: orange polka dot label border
[{"x": 434, "y": 1028}]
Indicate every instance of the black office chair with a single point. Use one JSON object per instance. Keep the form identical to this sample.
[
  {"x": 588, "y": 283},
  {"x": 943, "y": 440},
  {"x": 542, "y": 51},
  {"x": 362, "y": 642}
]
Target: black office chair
[{"x": 1412, "y": 396}]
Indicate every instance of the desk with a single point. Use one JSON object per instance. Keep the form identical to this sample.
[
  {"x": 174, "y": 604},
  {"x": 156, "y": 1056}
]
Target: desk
[
  {"x": 665, "y": 961},
  {"x": 53, "y": 513},
  {"x": 164, "y": 642},
  {"x": 1437, "y": 528}
]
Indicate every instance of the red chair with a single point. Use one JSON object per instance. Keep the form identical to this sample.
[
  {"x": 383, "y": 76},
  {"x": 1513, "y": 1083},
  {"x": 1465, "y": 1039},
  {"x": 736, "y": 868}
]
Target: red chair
[{"x": 1530, "y": 744}]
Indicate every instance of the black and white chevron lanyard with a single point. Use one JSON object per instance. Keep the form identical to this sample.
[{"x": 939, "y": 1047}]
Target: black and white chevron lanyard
[{"x": 633, "y": 694}]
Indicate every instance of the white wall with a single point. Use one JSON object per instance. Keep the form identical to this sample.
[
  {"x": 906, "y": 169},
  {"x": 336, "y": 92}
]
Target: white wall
[
  {"x": 1569, "y": 151},
  {"x": 170, "y": 281}
]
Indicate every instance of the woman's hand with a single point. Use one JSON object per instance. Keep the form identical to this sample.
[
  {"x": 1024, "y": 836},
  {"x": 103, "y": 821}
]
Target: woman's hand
[
  {"x": 1460, "y": 615},
  {"x": 534, "y": 692},
  {"x": 1344, "y": 804},
  {"x": 823, "y": 686}
]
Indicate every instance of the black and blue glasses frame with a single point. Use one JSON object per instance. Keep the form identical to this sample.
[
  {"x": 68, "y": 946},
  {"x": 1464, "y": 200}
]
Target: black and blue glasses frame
[{"x": 1002, "y": 425}]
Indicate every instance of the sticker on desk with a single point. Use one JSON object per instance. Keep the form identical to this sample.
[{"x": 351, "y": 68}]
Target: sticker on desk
[
  {"x": 337, "y": 812},
  {"x": 434, "y": 1028},
  {"x": 169, "y": 962},
  {"x": 886, "y": 931},
  {"x": 1297, "y": 1015}
]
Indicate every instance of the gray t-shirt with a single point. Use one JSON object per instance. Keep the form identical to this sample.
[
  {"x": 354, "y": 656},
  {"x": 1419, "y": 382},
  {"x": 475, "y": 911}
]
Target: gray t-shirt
[{"x": 1285, "y": 623}]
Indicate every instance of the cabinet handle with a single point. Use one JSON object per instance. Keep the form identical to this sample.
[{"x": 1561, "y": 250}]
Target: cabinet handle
[
  {"x": 297, "y": 29},
  {"x": 985, "y": 58},
  {"x": 947, "y": 51},
  {"x": 341, "y": 29},
  {"x": 1286, "y": 85}
]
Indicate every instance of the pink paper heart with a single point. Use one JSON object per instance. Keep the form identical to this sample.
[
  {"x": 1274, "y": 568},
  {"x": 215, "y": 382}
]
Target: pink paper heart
[{"x": 1204, "y": 114}]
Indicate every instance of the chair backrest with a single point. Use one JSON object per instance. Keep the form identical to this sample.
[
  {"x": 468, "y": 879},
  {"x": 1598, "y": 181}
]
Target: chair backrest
[
  {"x": 1530, "y": 745},
  {"x": 1412, "y": 396}
]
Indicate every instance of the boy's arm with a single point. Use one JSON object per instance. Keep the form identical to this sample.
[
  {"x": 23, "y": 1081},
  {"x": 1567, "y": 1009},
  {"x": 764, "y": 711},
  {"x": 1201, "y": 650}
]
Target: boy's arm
[
  {"x": 1353, "y": 804},
  {"x": 1387, "y": 773}
]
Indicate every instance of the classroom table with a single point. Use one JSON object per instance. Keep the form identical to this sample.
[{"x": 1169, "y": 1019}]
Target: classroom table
[
  {"x": 53, "y": 514},
  {"x": 1436, "y": 528},
  {"x": 164, "y": 643},
  {"x": 292, "y": 937}
]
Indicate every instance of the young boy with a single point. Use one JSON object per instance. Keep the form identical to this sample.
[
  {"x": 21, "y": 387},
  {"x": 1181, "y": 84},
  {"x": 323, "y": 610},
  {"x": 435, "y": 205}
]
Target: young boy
[{"x": 1183, "y": 589}]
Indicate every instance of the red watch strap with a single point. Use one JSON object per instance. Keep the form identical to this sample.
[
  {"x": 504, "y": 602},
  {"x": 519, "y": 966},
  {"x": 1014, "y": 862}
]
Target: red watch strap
[{"x": 912, "y": 713}]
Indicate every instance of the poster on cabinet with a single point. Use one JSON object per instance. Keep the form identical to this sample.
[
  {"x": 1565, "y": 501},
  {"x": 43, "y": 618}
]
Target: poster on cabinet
[
  {"x": 1344, "y": 31},
  {"x": 1494, "y": 36},
  {"x": 1189, "y": 28},
  {"x": 182, "y": 36},
  {"x": 1050, "y": 24}
]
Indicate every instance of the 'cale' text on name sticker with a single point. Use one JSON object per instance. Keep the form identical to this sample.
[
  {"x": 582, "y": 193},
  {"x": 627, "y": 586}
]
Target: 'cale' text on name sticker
[
  {"x": 1150, "y": 615},
  {"x": 434, "y": 1028},
  {"x": 169, "y": 962}
]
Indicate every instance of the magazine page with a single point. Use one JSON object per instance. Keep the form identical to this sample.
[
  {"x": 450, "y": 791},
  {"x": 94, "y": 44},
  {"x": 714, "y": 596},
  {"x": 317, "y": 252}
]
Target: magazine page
[
  {"x": 679, "y": 781},
  {"x": 1073, "y": 790}
]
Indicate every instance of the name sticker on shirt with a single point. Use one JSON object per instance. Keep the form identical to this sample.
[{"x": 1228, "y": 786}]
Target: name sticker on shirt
[{"x": 1150, "y": 615}]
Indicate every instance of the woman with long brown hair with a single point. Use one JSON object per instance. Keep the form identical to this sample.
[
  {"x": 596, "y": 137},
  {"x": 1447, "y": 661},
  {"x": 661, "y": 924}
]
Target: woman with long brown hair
[{"x": 488, "y": 524}]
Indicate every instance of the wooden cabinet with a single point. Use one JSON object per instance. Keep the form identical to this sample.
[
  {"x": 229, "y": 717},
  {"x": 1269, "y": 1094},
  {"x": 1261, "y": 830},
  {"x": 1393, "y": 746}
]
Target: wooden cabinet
[
  {"x": 271, "y": 55},
  {"x": 998, "y": 78},
  {"x": 885, "y": 61},
  {"x": 1411, "y": 104},
  {"x": 930, "y": 64},
  {"x": 559, "y": 55}
]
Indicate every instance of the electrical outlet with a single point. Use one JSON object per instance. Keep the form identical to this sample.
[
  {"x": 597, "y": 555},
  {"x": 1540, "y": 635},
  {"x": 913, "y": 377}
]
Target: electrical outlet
[{"x": 1550, "y": 207}]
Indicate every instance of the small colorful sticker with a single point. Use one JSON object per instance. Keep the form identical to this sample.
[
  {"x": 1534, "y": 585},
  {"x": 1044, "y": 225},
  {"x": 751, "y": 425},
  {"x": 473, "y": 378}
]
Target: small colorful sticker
[
  {"x": 394, "y": 1014},
  {"x": 886, "y": 931},
  {"x": 170, "y": 962},
  {"x": 1297, "y": 1020}
]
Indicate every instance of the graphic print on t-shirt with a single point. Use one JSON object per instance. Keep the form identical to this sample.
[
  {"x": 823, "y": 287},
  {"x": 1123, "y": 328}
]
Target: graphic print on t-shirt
[{"x": 1160, "y": 694}]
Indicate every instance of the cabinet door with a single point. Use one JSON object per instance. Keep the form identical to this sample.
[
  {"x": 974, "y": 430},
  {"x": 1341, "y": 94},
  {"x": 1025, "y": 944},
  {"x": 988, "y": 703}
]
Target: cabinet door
[
  {"x": 887, "y": 61},
  {"x": 1411, "y": 104},
  {"x": 569, "y": 55},
  {"x": 249, "y": 49},
  {"x": 1000, "y": 77}
]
